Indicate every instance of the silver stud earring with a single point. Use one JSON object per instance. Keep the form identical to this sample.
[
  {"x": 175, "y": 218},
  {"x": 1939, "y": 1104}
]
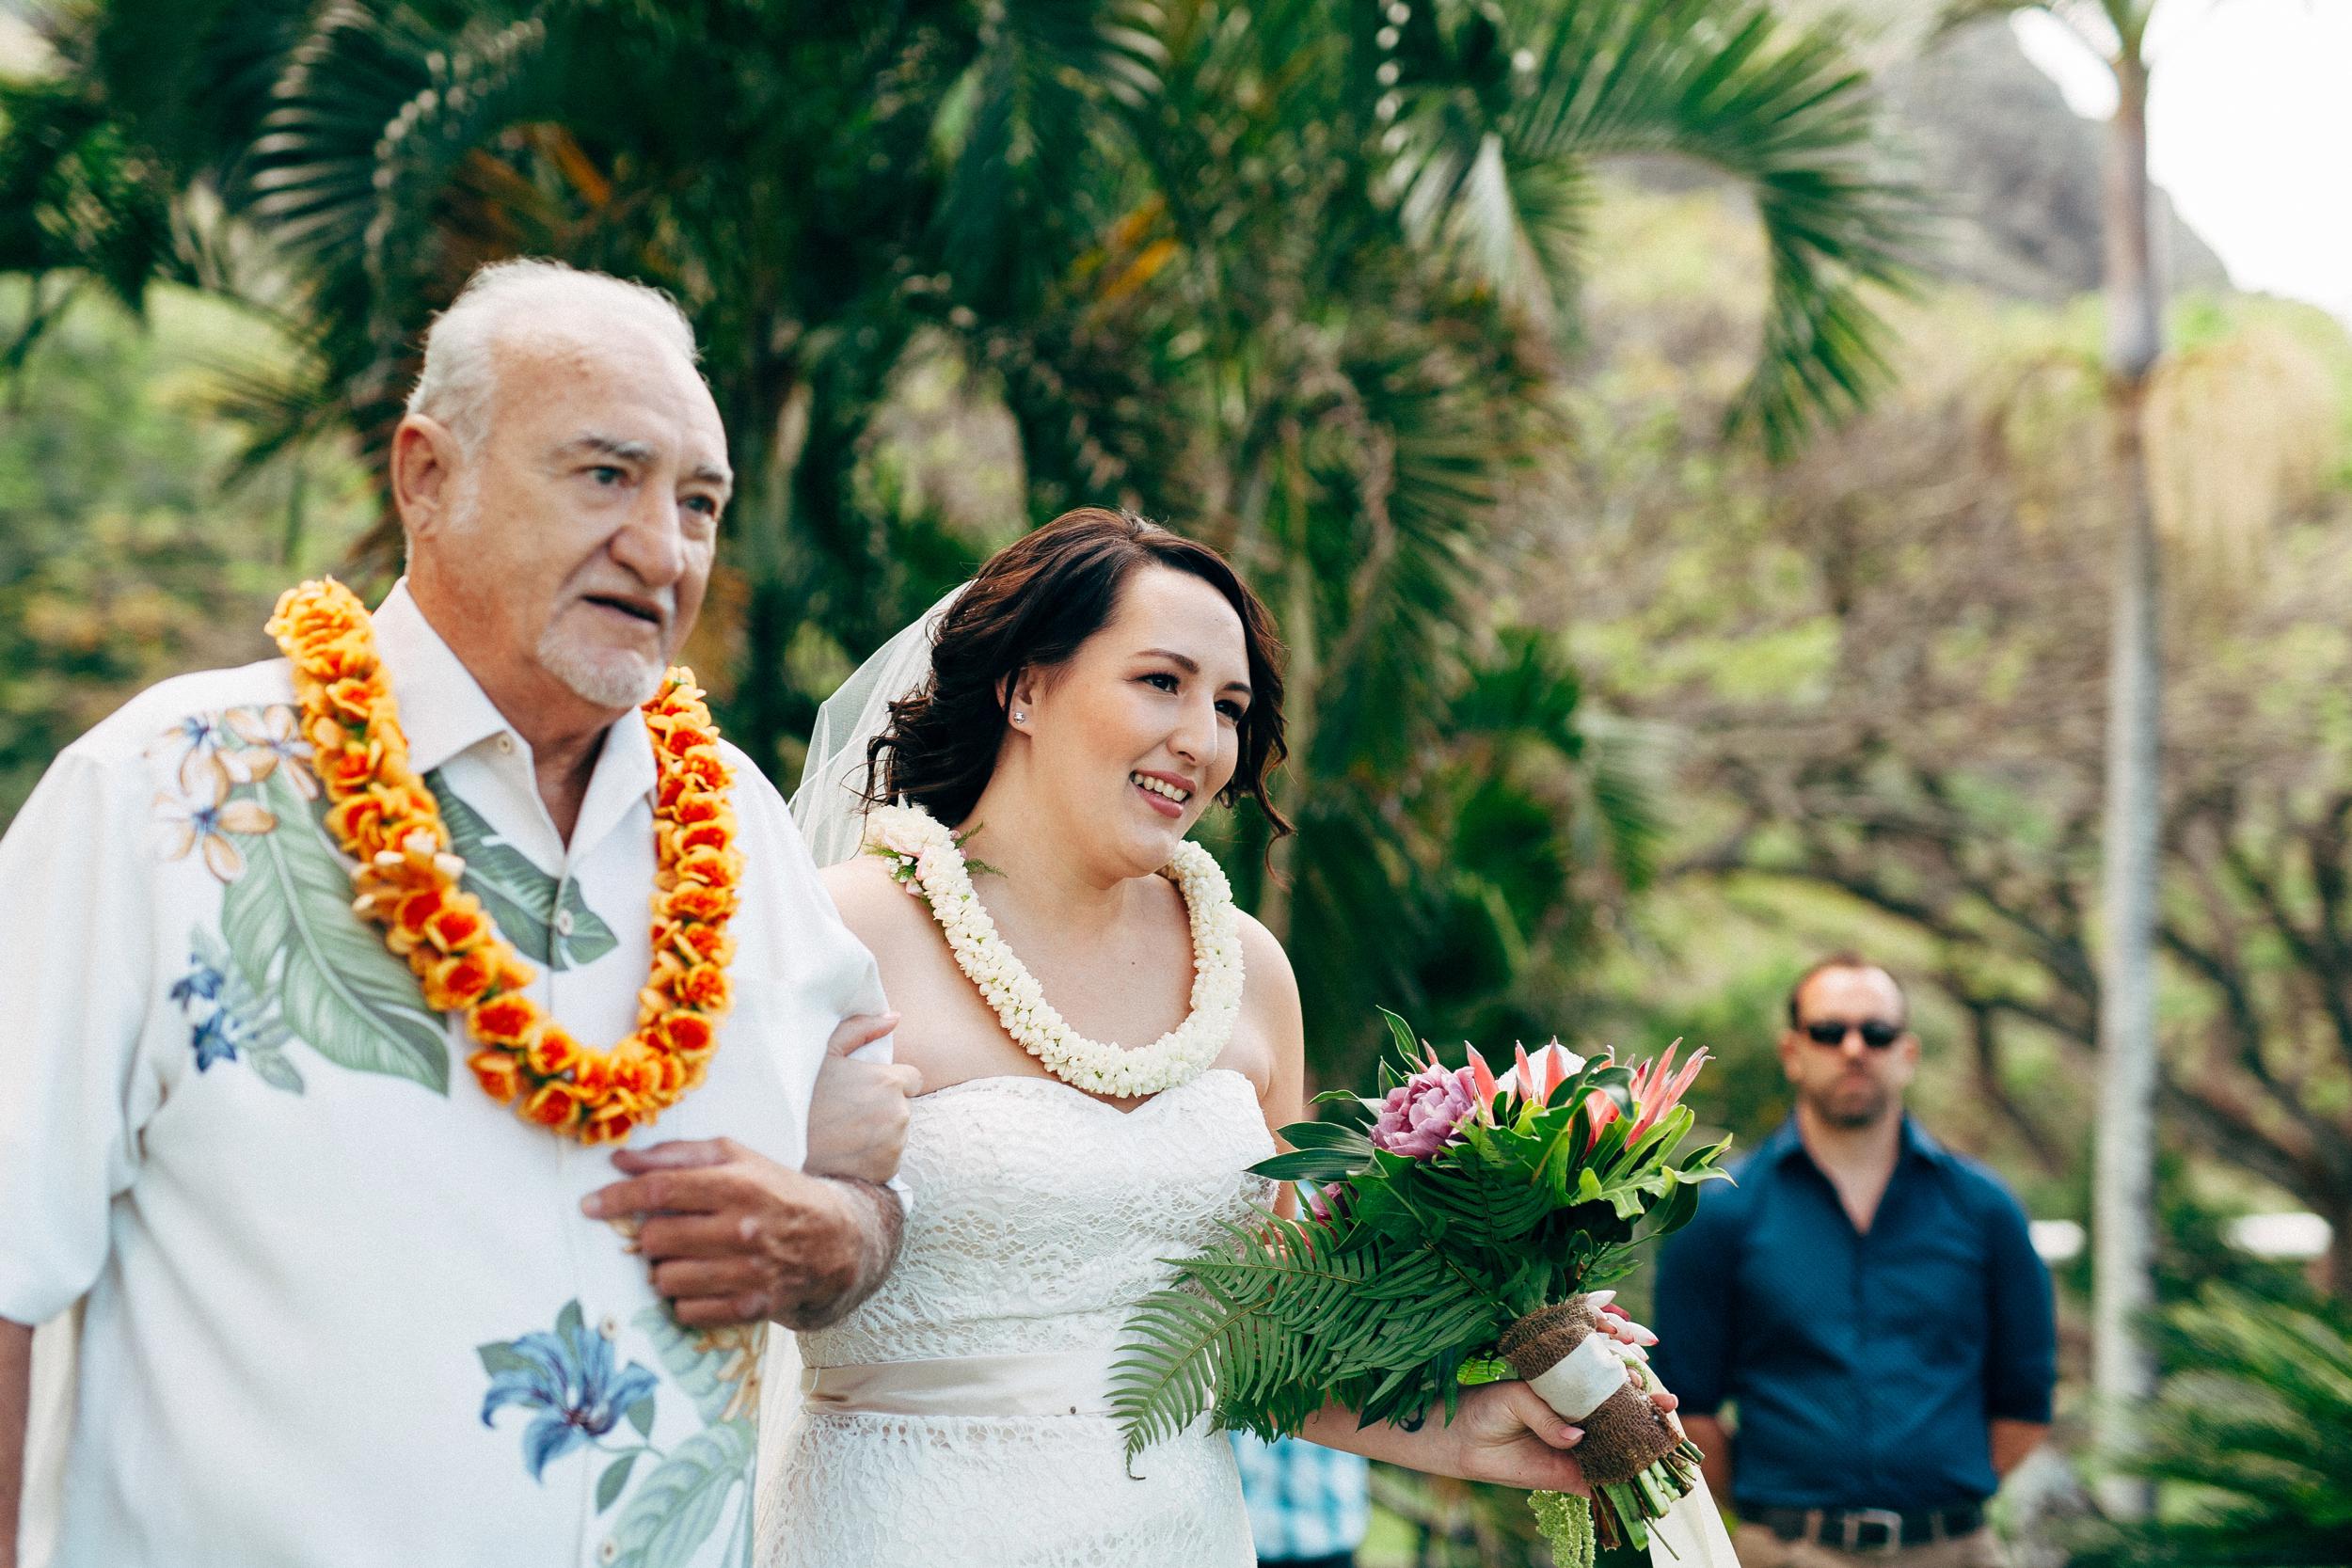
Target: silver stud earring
[{"x": 1018, "y": 717}]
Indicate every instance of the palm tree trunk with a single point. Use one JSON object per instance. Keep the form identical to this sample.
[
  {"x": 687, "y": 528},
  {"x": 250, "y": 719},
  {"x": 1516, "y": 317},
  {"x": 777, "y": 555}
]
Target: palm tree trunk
[{"x": 2122, "y": 1372}]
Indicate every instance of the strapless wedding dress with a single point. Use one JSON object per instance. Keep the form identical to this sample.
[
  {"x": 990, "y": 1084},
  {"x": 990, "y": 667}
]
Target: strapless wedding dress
[{"x": 956, "y": 1419}]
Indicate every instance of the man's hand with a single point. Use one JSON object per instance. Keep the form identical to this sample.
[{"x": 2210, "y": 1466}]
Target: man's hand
[
  {"x": 857, "y": 1118},
  {"x": 733, "y": 1237}
]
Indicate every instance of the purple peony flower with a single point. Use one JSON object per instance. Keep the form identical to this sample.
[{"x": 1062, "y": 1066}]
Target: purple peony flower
[{"x": 1420, "y": 1116}]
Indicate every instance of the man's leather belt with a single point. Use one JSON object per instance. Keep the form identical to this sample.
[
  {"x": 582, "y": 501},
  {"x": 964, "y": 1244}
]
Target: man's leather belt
[{"x": 1868, "y": 1529}]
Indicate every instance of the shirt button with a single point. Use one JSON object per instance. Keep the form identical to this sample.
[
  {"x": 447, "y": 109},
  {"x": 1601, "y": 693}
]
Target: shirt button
[
  {"x": 506, "y": 743},
  {"x": 563, "y": 923}
]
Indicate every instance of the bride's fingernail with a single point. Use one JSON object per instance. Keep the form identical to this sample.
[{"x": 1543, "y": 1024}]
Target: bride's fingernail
[
  {"x": 1571, "y": 1435},
  {"x": 592, "y": 1205}
]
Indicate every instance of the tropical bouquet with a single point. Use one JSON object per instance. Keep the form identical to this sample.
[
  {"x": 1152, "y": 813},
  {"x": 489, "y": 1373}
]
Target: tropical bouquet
[{"x": 1456, "y": 1231}]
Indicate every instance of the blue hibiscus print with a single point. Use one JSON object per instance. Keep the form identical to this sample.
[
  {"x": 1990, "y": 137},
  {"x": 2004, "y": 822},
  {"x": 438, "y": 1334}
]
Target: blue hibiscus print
[
  {"x": 201, "y": 983},
  {"x": 213, "y": 1033},
  {"x": 214, "y": 1041},
  {"x": 568, "y": 1377}
]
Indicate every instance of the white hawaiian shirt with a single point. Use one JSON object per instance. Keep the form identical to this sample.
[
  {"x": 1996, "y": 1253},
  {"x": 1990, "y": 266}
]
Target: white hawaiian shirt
[{"x": 339, "y": 1308}]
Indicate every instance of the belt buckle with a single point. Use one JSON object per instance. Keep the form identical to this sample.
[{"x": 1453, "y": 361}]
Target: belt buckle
[{"x": 1852, "y": 1521}]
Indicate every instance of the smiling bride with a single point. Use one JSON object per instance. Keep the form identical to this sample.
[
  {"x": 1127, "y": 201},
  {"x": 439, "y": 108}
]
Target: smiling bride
[{"x": 1047, "y": 739}]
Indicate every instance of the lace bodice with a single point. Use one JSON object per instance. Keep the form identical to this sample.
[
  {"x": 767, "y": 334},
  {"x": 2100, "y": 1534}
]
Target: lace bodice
[{"x": 1041, "y": 1217}]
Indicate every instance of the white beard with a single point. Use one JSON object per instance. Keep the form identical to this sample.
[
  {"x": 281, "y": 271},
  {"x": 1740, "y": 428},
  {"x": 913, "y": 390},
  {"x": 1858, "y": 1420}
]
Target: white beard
[{"x": 616, "y": 679}]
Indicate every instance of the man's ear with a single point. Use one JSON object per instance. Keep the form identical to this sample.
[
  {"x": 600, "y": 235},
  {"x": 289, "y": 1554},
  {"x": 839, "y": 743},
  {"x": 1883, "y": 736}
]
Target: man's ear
[
  {"x": 1791, "y": 1042},
  {"x": 425, "y": 474}
]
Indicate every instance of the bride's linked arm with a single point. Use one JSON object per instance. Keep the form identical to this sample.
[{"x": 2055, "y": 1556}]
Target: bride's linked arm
[
  {"x": 733, "y": 1237},
  {"x": 1501, "y": 1432}
]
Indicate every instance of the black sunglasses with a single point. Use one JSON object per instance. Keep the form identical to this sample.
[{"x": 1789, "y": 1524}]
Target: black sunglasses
[{"x": 1876, "y": 1031}]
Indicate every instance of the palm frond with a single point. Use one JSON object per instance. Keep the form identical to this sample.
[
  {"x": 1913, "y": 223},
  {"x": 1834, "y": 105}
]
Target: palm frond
[{"x": 1783, "y": 112}]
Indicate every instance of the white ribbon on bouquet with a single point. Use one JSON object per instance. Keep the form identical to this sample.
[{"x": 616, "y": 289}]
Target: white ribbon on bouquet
[{"x": 1690, "y": 1534}]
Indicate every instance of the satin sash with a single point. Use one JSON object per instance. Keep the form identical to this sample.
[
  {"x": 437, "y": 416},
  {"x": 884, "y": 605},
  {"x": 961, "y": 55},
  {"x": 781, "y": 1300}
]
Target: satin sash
[{"x": 1051, "y": 1383}]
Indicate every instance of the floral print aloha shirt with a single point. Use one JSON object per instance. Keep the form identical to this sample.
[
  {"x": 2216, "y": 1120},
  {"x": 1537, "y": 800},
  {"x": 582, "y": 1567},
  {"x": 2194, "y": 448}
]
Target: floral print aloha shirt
[{"x": 338, "y": 1306}]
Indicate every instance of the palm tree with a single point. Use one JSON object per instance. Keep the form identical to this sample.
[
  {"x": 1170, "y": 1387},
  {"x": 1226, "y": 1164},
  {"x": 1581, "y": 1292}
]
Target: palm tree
[{"x": 1299, "y": 275}]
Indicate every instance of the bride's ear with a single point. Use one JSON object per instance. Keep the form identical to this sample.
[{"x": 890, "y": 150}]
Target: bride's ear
[{"x": 1017, "y": 693}]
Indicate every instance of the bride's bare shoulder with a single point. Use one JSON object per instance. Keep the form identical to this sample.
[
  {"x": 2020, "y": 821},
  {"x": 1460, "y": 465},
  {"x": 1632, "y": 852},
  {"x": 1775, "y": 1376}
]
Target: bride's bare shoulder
[
  {"x": 875, "y": 905},
  {"x": 1267, "y": 981}
]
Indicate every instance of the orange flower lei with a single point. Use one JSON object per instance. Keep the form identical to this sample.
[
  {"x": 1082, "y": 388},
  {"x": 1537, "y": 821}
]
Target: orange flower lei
[{"x": 386, "y": 817}]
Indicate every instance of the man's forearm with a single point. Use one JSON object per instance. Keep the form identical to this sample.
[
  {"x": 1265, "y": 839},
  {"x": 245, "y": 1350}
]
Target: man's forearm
[
  {"x": 879, "y": 1222},
  {"x": 1715, "y": 1443},
  {"x": 2013, "y": 1440},
  {"x": 16, "y": 1400}
]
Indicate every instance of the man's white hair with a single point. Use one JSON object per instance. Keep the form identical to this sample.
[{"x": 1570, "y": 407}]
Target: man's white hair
[{"x": 519, "y": 298}]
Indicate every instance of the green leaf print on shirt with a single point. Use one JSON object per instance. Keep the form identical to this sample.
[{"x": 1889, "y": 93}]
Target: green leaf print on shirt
[
  {"x": 676, "y": 1507},
  {"x": 260, "y": 1034},
  {"x": 288, "y": 922},
  {"x": 519, "y": 895},
  {"x": 686, "y": 1493}
]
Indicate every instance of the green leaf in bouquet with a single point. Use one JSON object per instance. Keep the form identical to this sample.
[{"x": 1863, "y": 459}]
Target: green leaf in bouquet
[
  {"x": 1408, "y": 1045},
  {"x": 1328, "y": 1135},
  {"x": 1675, "y": 1208},
  {"x": 1306, "y": 1165},
  {"x": 1263, "y": 1327},
  {"x": 1362, "y": 1112}
]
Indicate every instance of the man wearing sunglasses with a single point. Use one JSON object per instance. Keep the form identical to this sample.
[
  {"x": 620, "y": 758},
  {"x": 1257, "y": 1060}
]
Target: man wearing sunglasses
[{"x": 1867, "y": 1300}]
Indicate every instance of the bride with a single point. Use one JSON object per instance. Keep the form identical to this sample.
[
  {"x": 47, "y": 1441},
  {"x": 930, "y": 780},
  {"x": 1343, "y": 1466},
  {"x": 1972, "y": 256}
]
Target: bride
[{"x": 1069, "y": 714}]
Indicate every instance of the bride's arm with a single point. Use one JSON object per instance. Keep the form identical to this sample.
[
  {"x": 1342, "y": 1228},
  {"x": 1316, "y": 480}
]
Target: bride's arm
[{"x": 1502, "y": 1431}]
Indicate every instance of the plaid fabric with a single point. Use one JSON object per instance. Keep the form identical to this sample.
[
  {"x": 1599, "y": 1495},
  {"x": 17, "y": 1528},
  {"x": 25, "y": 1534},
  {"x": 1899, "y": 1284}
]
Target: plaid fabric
[{"x": 1305, "y": 1501}]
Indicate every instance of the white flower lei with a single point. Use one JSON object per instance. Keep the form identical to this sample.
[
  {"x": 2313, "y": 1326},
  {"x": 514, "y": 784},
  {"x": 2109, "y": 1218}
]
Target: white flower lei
[{"x": 931, "y": 862}]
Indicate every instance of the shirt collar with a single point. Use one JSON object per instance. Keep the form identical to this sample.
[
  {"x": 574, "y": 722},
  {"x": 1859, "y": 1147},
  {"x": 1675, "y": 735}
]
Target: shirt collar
[
  {"x": 443, "y": 711},
  {"x": 1786, "y": 1141}
]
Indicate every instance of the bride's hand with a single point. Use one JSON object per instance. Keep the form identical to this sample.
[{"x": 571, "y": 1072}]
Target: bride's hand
[
  {"x": 1505, "y": 1433},
  {"x": 857, "y": 1116}
]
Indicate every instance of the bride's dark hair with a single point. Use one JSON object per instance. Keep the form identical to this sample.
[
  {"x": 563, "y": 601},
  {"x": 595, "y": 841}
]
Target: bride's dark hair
[{"x": 1030, "y": 608}]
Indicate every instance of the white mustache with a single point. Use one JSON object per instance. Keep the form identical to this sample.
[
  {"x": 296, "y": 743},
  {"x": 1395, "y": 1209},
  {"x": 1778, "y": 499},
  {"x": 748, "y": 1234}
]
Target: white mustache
[{"x": 662, "y": 604}]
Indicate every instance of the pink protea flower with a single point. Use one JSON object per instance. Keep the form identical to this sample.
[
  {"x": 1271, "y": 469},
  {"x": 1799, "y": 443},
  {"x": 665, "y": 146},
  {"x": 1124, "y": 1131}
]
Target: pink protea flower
[
  {"x": 1422, "y": 1115},
  {"x": 1658, "y": 1088},
  {"x": 1538, "y": 1077}
]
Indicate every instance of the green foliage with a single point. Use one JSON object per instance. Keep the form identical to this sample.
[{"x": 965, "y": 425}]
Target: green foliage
[
  {"x": 1420, "y": 1265},
  {"x": 1290, "y": 276},
  {"x": 122, "y": 558},
  {"x": 2253, "y": 1442}
]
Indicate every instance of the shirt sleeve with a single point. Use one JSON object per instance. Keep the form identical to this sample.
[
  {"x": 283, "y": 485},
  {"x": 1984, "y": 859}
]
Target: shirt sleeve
[
  {"x": 1692, "y": 1312},
  {"x": 2021, "y": 1363},
  {"x": 74, "y": 893}
]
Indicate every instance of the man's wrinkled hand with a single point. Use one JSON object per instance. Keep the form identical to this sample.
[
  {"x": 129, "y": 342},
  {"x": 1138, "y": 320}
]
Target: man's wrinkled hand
[
  {"x": 733, "y": 1237},
  {"x": 857, "y": 1117}
]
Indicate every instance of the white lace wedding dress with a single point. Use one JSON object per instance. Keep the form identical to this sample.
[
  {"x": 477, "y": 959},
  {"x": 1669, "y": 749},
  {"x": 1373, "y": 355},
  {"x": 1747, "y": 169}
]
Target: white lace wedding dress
[{"x": 1041, "y": 1215}]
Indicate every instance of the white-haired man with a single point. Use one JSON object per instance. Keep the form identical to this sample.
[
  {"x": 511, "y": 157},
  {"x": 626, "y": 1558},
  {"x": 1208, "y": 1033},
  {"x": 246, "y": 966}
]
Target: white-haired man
[{"x": 340, "y": 1303}]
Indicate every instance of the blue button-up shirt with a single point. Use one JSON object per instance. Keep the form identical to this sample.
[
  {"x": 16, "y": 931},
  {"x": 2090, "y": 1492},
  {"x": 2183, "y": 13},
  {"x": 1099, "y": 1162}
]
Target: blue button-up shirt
[{"x": 1866, "y": 1366}]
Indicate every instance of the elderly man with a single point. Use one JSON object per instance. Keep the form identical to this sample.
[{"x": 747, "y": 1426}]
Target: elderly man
[
  {"x": 1869, "y": 1303},
  {"x": 342, "y": 1303}
]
